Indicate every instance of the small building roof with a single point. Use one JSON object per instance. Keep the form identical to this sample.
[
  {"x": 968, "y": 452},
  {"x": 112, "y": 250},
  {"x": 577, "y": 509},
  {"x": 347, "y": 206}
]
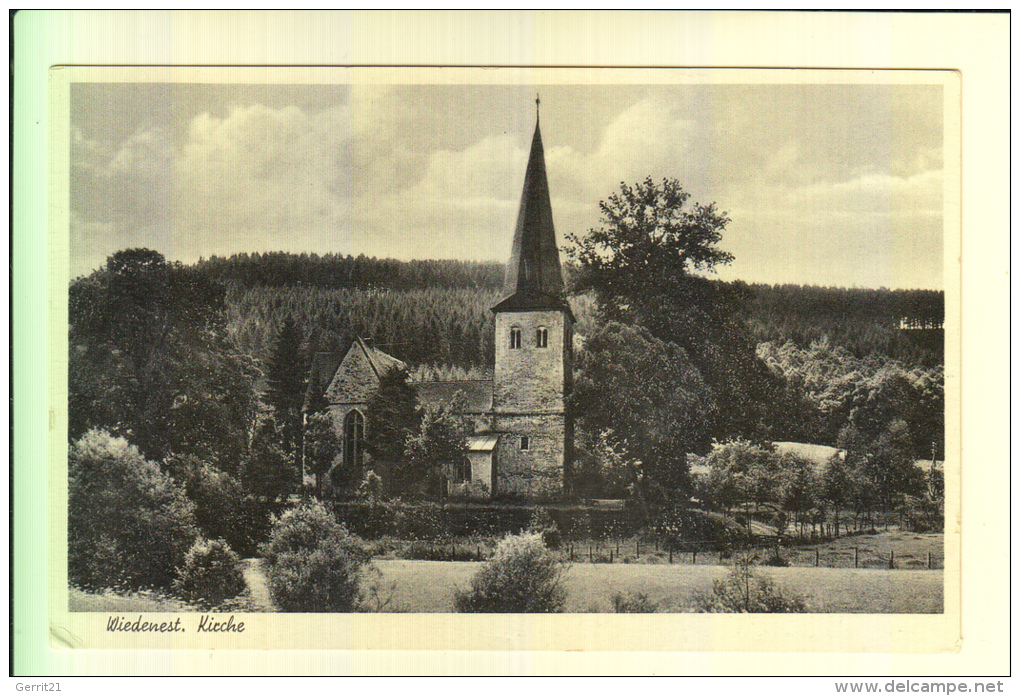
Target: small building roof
[
  {"x": 484, "y": 442},
  {"x": 477, "y": 392}
]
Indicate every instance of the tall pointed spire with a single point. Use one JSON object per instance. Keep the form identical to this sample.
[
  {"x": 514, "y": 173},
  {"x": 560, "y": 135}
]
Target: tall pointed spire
[{"x": 533, "y": 277}]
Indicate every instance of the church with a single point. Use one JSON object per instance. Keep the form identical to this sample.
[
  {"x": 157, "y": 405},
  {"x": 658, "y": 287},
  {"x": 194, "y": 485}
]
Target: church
[{"x": 523, "y": 435}]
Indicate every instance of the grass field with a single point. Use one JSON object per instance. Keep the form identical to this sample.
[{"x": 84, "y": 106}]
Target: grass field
[
  {"x": 429, "y": 586},
  {"x": 79, "y": 600},
  {"x": 834, "y": 587},
  {"x": 908, "y": 550}
]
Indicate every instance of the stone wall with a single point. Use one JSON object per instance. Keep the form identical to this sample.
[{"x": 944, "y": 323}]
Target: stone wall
[
  {"x": 355, "y": 380},
  {"x": 529, "y": 388},
  {"x": 530, "y": 379},
  {"x": 537, "y": 471}
]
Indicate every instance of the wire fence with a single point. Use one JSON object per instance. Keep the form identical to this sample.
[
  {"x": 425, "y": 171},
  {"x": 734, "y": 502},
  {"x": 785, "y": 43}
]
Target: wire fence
[{"x": 769, "y": 551}]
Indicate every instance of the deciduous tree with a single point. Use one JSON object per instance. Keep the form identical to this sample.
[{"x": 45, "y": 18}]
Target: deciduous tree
[
  {"x": 322, "y": 447},
  {"x": 150, "y": 360},
  {"x": 439, "y": 444},
  {"x": 644, "y": 264},
  {"x": 647, "y": 396}
]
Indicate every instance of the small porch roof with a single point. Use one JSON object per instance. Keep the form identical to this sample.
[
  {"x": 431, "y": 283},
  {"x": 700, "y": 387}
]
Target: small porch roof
[{"x": 485, "y": 442}]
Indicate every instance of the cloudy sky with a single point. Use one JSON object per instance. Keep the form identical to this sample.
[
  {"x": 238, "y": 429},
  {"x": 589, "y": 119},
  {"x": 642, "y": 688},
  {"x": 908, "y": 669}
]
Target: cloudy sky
[{"x": 827, "y": 185}]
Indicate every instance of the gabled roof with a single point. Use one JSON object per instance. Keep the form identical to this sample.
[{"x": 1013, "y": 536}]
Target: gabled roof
[
  {"x": 477, "y": 393},
  {"x": 534, "y": 280},
  {"x": 361, "y": 366},
  {"x": 381, "y": 362}
]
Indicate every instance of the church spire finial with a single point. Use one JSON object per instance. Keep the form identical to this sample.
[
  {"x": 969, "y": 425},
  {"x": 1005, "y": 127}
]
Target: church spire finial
[{"x": 538, "y": 107}]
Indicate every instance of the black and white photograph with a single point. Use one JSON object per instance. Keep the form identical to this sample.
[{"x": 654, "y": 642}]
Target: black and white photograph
[
  {"x": 542, "y": 343},
  {"x": 510, "y": 343}
]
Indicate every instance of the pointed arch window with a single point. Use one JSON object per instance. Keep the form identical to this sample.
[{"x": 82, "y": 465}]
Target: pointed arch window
[
  {"x": 542, "y": 337},
  {"x": 354, "y": 439},
  {"x": 515, "y": 338}
]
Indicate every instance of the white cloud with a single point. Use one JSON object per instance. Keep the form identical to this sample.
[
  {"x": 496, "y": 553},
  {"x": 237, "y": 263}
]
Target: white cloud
[
  {"x": 388, "y": 173},
  {"x": 147, "y": 153},
  {"x": 261, "y": 178}
]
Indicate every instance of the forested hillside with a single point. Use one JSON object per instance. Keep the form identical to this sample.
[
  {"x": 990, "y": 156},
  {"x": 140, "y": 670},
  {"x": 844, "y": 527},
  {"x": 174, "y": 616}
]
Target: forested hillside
[
  {"x": 863, "y": 321},
  {"x": 280, "y": 269},
  {"x": 437, "y": 312},
  {"x": 832, "y": 353}
]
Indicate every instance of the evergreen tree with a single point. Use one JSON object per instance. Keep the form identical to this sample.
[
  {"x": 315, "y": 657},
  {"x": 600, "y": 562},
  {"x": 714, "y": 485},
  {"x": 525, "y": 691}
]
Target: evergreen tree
[
  {"x": 392, "y": 413},
  {"x": 286, "y": 384}
]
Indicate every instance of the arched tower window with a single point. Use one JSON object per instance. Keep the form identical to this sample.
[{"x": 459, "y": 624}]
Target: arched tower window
[
  {"x": 354, "y": 439},
  {"x": 541, "y": 337},
  {"x": 515, "y": 337}
]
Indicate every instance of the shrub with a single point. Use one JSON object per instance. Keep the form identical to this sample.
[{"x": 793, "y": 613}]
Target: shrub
[
  {"x": 776, "y": 560},
  {"x": 522, "y": 577},
  {"x": 253, "y": 522},
  {"x": 633, "y": 603},
  {"x": 425, "y": 521},
  {"x": 313, "y": 563},
  {"x": 542, "y": 523},
  {"x": 371, "y": 487},
  {"x": 221, "y": 508},
  {"x": 922, "y": 515},
  {"x": 743, "y": 591},
  {"x": 679, "y": 527},
  {"x": 129, "y": 524},
  {"x": 211, "y": 574}
]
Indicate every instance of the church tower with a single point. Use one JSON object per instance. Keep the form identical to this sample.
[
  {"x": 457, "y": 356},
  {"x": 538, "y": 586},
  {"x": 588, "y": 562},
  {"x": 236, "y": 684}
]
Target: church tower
[{"x": 534, "y": 350}]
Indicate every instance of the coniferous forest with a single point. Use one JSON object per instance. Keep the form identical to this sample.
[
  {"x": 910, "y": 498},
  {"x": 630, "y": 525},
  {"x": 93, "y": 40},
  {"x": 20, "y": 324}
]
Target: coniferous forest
[{"x": 820, "y": 343}]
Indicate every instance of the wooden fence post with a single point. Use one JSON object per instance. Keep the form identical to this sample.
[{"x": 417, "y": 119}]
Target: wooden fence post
[
  {"x": 694, "y": 556},
  {"x": 671, "y": 556},
  {"x": 637, "y": 547},
  {"x": 929, "y": 560},
  {"x": 816, "y": 558},
  {"x": 591, "y": 558},
  {"x": 892, "y": 559},
  {"x": 855, "y": 557}
]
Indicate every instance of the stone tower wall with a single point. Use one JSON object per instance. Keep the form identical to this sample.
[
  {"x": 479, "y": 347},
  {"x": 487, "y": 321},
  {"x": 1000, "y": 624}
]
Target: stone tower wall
[{"x": 531, "y": 379}]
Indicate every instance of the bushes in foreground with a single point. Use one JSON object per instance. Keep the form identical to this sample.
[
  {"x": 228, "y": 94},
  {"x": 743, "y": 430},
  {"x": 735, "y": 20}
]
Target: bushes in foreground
[
  {"x": 523, "y": 576},
  {"x": 313, "y": 563},
  {"x": 129, "y": 524},
  {"x": 211, "y": 574},
  {"x": 743, "y": 591}
]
